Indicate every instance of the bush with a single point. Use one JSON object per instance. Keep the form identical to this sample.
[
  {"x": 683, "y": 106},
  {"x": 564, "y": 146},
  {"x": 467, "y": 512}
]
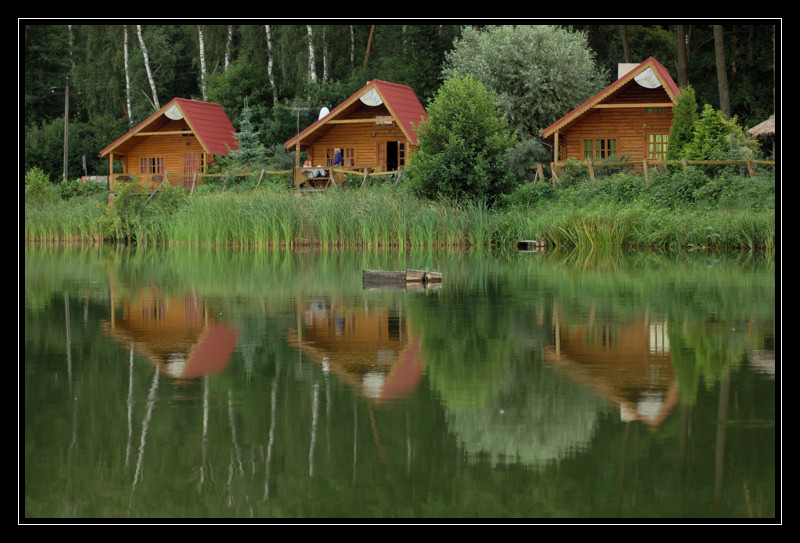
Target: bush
[
  {"x": 529, "y": 194},
  {"x": 38, "y": 187},
  {"x": 462, "y": 146}
]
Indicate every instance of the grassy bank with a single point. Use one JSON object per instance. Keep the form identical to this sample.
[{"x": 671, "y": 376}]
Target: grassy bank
[{"x": 620, "y": 211}]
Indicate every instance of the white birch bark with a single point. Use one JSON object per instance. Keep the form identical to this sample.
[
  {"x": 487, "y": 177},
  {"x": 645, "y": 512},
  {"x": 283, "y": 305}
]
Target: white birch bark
[
  {"x": 324, "y": 53},
  {"x": 127, "y": 74},
  {"x": 312, "y": 69},
  {"x": 156, "y": 104},
  {"x": 201, "y": 40},
  {"x": 270, "y": 64},
  {"x": 228, "y": 45}
]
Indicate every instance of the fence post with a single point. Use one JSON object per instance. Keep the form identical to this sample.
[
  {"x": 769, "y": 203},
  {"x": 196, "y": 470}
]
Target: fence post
[
  {"x": 591, "y": 170},
  {"x": 750, "y": 168},
  {"x": 646, "y": 169}
]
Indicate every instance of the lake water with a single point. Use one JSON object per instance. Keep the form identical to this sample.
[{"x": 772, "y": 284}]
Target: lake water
[{"x": 174, "y": 384}]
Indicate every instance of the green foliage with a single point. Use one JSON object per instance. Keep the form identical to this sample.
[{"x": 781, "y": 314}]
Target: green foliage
[
  {"x": 527, "y": 151},
  {"x": 135, "y": 215},
  {"x": 251, "y": 153},
  {"x": 683, "y": 121},
  {"x": 38, "y": 187},
  {"x": 715, "y": 138},
  {"x": 463, "y": 145},
  {"x": 77, "y": 187},
  {"x": 538, "y": 73}
]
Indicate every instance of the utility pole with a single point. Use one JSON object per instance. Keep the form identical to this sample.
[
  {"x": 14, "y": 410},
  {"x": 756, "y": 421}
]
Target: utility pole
[{"x": 66, "y": 127}]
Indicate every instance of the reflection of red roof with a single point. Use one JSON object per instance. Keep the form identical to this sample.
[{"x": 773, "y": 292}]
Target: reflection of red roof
[
  {"x": 658, "y": 70},
  {"x": 400, "y": 100},
  {"x": 207, "y": 120},
  {"x": 212, "y": 352},
  {"x": 405, "y": 377}
]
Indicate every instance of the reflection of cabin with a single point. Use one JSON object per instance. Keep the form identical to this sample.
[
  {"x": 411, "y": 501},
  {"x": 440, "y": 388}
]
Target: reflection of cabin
[
  {"x": 368, "y": 348},
  {"x": 627, "y": 364},
  {"x": 629, "y": 119},
  {"x": 375, "y": 129},
  {"x": 176, "y": 333},
  {"x": 176, "y": 142}
]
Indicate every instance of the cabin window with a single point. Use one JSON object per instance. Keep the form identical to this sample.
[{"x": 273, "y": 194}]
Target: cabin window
[
  {"x": 193, "y": 162},
  {"x": 657, "y": 146},
  {"x": 600, "y": 149},
  {"x": 348, "y": 157},
  {"x": 151, "y": 165},
  {"x": 654, "y": 110},
  {"x": 401, "y": 154}
]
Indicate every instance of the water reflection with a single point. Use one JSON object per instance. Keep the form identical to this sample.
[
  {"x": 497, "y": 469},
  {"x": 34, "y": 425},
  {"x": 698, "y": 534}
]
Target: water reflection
[
  {"x": 175, "y": 332},
  {"x": 521, "y": 388},
  {"x": 628, "y": 364},
  {"x": 369, "y": 346}
]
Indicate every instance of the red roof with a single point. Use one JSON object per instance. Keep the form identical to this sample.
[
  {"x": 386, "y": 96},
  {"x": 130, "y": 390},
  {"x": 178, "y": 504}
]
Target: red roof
[
  {"x": 207, "y": 120},
  {"x": 658, "y": 70},
  {"x": 400, "y": 100}
]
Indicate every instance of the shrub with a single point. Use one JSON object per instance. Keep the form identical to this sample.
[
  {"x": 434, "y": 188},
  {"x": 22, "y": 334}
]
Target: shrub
[
  {"x": 462, "y": 145},
  {"x": 38, "y": 187}
]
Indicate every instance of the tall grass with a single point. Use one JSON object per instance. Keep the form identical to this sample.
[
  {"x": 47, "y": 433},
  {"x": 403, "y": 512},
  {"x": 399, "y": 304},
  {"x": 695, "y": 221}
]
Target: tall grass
[{"x": 619, "y": 213}]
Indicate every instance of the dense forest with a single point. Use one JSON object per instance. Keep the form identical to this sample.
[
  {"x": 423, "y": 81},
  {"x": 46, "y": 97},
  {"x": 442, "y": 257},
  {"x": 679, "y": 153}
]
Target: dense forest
[{"x": 109, "y": 77}]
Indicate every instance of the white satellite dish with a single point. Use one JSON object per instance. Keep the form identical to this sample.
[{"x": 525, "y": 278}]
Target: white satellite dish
[{"x": 322, "y": 112}]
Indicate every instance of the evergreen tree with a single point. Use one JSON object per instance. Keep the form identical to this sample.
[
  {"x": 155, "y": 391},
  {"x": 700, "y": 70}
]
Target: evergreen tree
[
  {"x": 250, "y": 152},
  {"x": 683, "y": 119}
]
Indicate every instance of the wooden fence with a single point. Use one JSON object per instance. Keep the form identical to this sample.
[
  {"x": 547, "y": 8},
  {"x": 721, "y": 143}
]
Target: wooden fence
[
  {"x": 646, "y": 164},
  {"x": 337, "y": 177}
]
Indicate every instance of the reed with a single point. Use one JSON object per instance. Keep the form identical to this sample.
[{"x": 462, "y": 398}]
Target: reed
[{"x": 389, "y": 216}]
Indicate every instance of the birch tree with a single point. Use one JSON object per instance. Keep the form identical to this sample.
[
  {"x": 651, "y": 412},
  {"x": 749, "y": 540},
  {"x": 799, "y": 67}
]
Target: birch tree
[
  {"x": 312, "y": 68},
  {"x": 228, "y": 45},
  {"x": 125, "y": 60},
  {"x": 202, "y": 46},
  {"x": 154, "y": 101},
  {"x": 271, "y": 64}
]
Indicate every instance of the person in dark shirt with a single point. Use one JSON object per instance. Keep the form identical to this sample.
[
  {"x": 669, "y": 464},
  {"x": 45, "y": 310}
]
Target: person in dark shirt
[{"x": 338, "y": 161}]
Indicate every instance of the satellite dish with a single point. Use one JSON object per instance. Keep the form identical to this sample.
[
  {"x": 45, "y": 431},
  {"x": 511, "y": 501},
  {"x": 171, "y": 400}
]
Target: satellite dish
[{"x": 322, "y": 112}]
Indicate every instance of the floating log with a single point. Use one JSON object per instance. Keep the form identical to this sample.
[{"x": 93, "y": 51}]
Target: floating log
[
  {"x": 433, "y": 277},
  {"x": 529, "y": 244},
  {"x": 407, "y": 276}
]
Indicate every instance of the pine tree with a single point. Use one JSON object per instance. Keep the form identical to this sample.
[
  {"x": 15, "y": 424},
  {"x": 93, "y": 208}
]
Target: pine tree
[
  {"x": 250, "y": 152},
  {"x": 683, "y": 120}
]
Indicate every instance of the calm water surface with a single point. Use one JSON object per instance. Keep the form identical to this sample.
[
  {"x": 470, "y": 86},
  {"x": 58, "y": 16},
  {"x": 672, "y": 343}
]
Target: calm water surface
[{"x": 202, "y": 384}]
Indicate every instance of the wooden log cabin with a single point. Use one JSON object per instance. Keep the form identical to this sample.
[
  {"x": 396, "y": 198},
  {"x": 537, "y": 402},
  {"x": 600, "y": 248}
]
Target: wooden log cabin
[
  {"x": 375, "y": 129},
  {"x": 173, "y": 144},
  {"x": 629, "y": 120}
]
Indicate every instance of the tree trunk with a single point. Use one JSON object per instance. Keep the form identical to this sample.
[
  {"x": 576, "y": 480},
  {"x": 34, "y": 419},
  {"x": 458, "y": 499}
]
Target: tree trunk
[
  {"x": 352, "y": 47},
  {"x": 228, "y": 45},
  {"x": 625, "y": 46},
  {"x": 201, "y": 42},
  {"x": 271, "y": 64},
  {"x": 127, "y": 75},
  {"x": 156, "y": 104},
  {"x": 324, "y": 53},
  {"x": 683, "y": 57},
  {"x": 312, "y": 68},
  {"x": 369, "y": 44},
  {"x": 722, "y": 75}
]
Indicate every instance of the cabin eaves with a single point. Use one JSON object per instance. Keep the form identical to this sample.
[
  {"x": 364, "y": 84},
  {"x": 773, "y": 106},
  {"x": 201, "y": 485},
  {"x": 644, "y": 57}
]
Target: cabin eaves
[
  {"x": 657, "y": 70},
  {"x": 400, "y": 100},
  {"x": 207, "y": 121}
]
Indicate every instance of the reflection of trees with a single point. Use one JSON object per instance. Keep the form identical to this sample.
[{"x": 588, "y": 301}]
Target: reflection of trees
[{"x": 534, "y": 416}]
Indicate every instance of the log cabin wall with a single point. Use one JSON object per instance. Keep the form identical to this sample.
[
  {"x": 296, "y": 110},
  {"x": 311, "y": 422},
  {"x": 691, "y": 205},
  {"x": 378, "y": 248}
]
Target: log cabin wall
[
  {"x": 364, "y": 138},
  {"x": 630, "y": 127},
  {"x": 172, "y": 148}
]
